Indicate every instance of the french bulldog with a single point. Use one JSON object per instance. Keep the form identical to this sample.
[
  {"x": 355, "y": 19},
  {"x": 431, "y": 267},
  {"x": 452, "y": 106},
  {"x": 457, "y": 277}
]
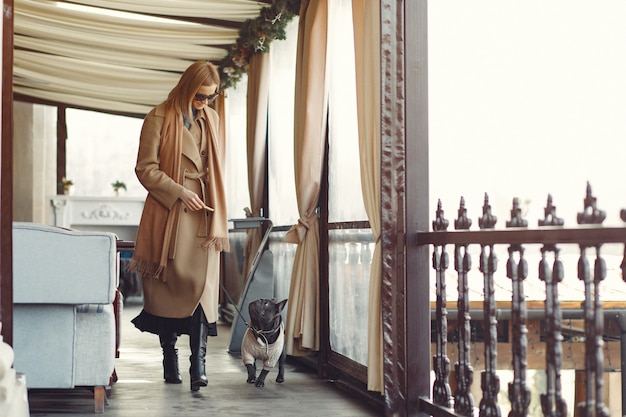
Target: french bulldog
[{"x": 264, "y": 339}]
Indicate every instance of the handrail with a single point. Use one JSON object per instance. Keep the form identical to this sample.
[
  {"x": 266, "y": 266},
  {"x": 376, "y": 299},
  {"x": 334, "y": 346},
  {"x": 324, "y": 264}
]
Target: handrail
[{"x": 587, "y": 235}]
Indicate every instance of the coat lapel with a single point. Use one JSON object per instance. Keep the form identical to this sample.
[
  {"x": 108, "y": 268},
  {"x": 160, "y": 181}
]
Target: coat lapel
[{"x": 190, "y": 149}]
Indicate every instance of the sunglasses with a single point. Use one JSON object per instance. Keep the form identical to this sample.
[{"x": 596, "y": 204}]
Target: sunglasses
[{"x": 202, "y": 97}]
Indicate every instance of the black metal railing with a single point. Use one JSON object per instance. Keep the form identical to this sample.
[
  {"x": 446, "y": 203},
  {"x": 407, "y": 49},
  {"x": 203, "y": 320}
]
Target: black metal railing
[{"x": 590, "y": 237}]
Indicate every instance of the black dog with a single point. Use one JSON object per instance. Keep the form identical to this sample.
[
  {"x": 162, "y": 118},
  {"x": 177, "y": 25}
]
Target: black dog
[{"x": 264, "y": 339}]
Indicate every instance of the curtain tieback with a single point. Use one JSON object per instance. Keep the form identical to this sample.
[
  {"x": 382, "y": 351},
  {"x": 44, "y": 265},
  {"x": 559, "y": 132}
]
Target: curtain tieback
[
  {"x": 250, "y": 213},
  {"x": 298, "y": 231}
]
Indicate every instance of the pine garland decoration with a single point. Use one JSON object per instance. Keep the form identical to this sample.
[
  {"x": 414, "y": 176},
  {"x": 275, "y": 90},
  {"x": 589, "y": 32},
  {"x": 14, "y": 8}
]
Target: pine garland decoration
[{"x": 255, "y": 36}]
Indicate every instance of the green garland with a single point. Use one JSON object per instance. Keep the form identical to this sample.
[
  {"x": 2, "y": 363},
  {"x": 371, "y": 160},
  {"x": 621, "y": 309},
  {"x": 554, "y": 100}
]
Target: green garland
[{"x": 255, "y": 37}]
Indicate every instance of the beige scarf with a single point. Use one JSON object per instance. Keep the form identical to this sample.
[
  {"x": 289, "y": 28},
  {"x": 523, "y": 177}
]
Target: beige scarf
[{"x": 157, "y": 222}]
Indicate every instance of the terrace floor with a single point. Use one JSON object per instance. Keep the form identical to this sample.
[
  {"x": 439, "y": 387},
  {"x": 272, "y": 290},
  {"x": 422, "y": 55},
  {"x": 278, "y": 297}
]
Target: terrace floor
[{"x": 140, "y": 391}]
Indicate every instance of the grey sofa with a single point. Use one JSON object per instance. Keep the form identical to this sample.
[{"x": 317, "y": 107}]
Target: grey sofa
[{"x": 64, "y": 285}]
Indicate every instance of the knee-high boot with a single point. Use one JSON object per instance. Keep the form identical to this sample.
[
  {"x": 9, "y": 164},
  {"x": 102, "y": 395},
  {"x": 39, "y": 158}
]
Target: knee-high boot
[
  {"x": 197, "y": 343},
  {"x": 171, "y": 374}
]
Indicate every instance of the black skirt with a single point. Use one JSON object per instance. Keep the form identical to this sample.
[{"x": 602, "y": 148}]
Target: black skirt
[{"x": 147, "y": 322}]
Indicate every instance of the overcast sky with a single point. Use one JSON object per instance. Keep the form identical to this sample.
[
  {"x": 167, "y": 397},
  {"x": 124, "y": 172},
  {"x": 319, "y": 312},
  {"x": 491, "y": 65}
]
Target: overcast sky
[{"x": 527, "y": 98}]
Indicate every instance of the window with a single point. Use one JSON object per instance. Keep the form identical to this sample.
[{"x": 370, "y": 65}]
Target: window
[
  {"x": 102, "y": 148},
  {"x": 349, "y": 250}
]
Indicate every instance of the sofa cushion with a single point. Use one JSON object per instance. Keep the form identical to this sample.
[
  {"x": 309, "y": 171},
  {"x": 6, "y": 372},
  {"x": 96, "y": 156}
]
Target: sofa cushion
[
  {"x": 44, "y": 349},
  {"x": 95, "y": 338},
  {"x": 60, "y": 266}
]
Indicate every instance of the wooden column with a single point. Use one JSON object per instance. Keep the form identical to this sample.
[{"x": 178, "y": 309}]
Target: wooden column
[
  {"x": 61, "y": 147},
  {"x": 404, "y": 200},
  {"x": 6, "y": 177}
]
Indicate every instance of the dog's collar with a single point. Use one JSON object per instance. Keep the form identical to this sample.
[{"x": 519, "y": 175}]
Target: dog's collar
[{"x": 265, "y": 333}]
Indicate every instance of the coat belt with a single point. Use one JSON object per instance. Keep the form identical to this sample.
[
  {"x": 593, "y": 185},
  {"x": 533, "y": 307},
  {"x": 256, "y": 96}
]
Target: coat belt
[{"x": 203, "y": 227}]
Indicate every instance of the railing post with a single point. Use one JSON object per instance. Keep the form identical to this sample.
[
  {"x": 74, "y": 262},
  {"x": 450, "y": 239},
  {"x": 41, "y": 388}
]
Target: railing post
[
  {"x": 489, "y": 382},
  {"x": 620, "y": 318},
  {"x": 463, "y": 399},
  {"x": 519, "y": 394},
  {"x": 594, "y": 318},
  {"x": 552, "y": 402},
  {"x": 441, "y": 363}
]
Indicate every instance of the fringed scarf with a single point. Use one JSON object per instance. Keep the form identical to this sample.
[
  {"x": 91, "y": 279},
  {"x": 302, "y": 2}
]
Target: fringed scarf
[{"x": 157, "y": 221}]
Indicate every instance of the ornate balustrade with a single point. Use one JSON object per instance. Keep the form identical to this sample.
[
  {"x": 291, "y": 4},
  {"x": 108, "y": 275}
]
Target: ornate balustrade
[{"x": 547, "y": 316}]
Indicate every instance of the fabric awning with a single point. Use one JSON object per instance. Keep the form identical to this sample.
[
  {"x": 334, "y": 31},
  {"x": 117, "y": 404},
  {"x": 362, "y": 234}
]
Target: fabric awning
[{"x": 118, "y": 56}]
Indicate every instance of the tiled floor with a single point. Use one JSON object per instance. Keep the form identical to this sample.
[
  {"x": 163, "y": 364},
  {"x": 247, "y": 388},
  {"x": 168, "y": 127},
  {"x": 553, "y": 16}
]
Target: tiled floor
[{"x": 140, "y": 391}]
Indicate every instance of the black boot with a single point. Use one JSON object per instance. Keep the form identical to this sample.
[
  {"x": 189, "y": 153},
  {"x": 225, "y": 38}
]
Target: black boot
[
  {"x": 197, "y": 343},
  {"x": 171, "y": 374}
]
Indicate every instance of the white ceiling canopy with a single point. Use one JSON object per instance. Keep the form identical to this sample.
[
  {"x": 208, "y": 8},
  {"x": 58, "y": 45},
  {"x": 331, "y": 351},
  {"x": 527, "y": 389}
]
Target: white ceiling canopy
[{"x": 117, "y": 56}]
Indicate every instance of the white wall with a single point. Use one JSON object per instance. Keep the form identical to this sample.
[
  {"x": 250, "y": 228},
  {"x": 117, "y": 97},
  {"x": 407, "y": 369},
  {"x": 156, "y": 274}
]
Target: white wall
[{"x": 34, "y": 161}]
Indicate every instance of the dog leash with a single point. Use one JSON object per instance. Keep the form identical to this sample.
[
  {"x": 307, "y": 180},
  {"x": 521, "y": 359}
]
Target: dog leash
[{"x": 233, "y": 303}]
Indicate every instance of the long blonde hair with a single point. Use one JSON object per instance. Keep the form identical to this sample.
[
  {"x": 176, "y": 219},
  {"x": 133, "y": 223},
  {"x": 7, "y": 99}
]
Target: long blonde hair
[{"x": 198, "y": 74}]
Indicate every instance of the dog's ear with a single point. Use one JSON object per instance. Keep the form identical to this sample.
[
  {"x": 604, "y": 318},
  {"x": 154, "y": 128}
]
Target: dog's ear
[{"x": 281, "y": 305}]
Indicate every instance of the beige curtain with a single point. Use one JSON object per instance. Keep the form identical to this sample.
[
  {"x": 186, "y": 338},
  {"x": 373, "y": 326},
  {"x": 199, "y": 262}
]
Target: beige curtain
[
  {"x": 257, "y": 106},
  {"x": 309, "y": 138},
  {"x": 366, "y": 19}
]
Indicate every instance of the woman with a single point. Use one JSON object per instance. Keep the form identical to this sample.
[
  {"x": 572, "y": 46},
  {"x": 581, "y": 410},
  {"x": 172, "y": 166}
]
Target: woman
[{"x": 183, "y": 227}]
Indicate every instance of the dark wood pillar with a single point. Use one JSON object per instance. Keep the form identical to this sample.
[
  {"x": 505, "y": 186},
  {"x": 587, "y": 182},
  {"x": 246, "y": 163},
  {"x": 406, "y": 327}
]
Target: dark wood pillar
[
  {"x": 418, "y": 205},
  {"x": 404, "y": 199},
  {"x": 6, "y": 177},
  {"x": 61, "y": 147}
]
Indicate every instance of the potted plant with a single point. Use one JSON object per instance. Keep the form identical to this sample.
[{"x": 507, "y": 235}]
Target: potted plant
[
  {"x": 67, "y": 185},
  {"x": 117, "y": 185}
]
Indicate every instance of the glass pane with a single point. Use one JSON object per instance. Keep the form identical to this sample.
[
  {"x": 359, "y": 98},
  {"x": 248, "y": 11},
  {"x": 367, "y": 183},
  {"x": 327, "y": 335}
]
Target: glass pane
[
  {"x": 350, "y": 257},
  {"x": 345, "y": 201},
  {"x": 284, "y": 254},
  {"x": 102, "y": 148},
  {"x": 283, "y": 206}
]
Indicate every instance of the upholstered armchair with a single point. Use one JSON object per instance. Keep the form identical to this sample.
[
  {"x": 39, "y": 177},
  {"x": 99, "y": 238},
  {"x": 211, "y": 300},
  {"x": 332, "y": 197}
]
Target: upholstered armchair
[{"x": 64, "y": 285}]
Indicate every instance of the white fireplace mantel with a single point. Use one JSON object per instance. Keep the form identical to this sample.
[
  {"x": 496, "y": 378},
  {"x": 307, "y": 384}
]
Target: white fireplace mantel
[{"x": 119, "y": 215}]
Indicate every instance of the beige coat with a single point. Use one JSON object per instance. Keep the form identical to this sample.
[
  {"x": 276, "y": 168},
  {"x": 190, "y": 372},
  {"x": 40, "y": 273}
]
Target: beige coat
[{"x": 191, "y": 276}]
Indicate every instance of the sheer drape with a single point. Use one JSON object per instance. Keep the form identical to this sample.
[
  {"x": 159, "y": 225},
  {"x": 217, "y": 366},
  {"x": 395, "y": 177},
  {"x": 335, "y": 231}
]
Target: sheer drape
[
  {"x": 282, "y": 201},
  {"x": 256, "y": 133},
  {"x": 221, "y": 107},
  {"x": 366, "y": 19},
  {"x": 309, "y": 142}
]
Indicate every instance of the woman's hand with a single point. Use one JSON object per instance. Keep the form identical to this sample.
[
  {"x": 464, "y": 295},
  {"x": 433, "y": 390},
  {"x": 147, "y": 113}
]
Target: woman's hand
[{"x": 191, "y": 200}]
